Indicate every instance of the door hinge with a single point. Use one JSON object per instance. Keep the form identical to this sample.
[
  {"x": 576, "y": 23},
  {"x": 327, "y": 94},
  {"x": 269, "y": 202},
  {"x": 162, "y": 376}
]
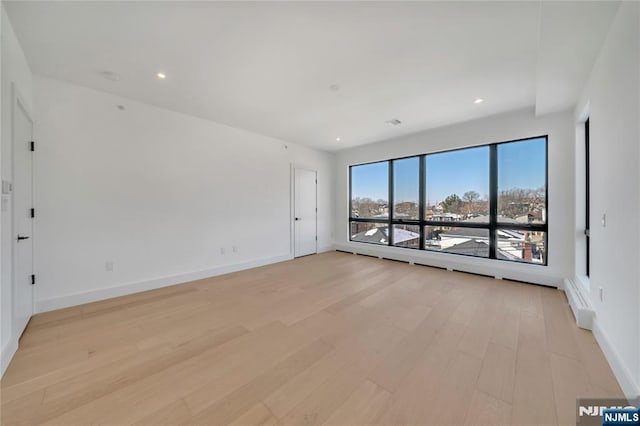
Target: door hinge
[
  {"x": 33, "y": 213},
  {"x": 33, "y": 146},
  {"x": 33, "y": 279},
  {"x": 316, "y": 238}
]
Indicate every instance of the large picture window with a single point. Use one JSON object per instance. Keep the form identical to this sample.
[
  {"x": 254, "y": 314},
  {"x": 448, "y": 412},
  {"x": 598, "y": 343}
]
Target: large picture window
[
  {"x": 488, "y": 201},
  {"x": 370, "y": 191}
]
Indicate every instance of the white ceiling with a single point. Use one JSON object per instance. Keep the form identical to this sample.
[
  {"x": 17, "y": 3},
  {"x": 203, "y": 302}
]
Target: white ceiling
[{"x": 268, "y": 67}]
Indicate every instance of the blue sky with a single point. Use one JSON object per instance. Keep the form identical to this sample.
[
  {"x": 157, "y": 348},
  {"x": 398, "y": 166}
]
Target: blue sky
[
  {"x": 457, "y": 172},
  {"x": 520, "y": 165}
]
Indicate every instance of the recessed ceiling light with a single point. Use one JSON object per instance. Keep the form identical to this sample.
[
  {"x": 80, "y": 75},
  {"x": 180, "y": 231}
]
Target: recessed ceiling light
[
  {"x": 334, "y": 87},
  {"x": 337, "y": 139},
  {"x": 478, "y": 101},
  {"x": 394, "y": 122},
  {"x": 161, "y": 75}
]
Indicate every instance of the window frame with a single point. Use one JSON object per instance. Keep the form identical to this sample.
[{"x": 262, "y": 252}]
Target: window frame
[
  {"x": 493, "y": 225},
  {"x": 587, "y": 202}
]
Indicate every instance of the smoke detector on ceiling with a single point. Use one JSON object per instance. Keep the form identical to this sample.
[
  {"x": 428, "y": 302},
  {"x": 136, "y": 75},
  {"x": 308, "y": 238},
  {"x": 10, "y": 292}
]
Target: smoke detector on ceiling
[{"x": 394, "y": 122}]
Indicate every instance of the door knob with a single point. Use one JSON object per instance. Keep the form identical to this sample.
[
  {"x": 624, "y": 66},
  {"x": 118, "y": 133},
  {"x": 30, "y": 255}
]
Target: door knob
[
  {"x": 20, "y": 238},
  {"x": 297, "y": 218}
]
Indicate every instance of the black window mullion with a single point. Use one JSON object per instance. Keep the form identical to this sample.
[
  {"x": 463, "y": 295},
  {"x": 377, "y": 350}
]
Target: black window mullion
[
  {"x": 368, "y": 220},
  {"x": 406, "y": 222},
  {"x": 523, "y": 227},
  {"x": 390, "y": 197},
  {"x": 493, "y": 200},
  {"x": 546, "y": 199},
  {"x": 350, "y": 197},
  {"x": 457, "y": 224},
  {"x": 422, "y": 188},
  {"x": 587, "y": 192}
]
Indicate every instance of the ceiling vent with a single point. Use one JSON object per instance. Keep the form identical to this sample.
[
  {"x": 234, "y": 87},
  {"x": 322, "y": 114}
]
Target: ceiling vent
[
  {"x": 110, "y": 75},
  {"x": 394, "y": 122}
]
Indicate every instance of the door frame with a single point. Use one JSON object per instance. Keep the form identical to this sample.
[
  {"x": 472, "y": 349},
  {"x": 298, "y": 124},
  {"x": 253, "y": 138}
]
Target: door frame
[
  {"x": 17, "y": 101},
  {"x": 292, "y": 240}
]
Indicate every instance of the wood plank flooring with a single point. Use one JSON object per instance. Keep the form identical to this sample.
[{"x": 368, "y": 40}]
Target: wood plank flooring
[{"x": 331, "y": 339}]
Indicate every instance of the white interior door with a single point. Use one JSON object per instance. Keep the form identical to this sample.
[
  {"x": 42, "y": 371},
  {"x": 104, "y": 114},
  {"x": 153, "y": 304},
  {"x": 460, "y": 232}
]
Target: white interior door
[
  {"x": 305, "y": 212},
  {"x": 22, "y": 222}
]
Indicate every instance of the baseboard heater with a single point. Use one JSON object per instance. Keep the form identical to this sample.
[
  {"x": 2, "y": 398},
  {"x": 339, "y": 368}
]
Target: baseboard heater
[
  {"x": 529, "y": 283},
  {"x": 444, "y": 268},
  {"x": 474, "y": 273},
  {"x": 431, "y": 266},
  {"x": 580, "y": 306},
  {"x": 396, "y": 260},
  {"x": 368, "y": 255}
]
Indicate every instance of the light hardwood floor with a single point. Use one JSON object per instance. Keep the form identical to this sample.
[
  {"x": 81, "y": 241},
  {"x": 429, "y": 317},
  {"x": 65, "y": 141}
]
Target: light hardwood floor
[{"x": 331, "y": 339}]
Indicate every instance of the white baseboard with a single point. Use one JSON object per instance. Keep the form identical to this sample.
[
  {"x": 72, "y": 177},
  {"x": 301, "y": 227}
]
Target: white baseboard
[
  {"x": 66, "y": 301},
  {"x": 579, "y": 303},
  {"x": 7, "y": 354},
  {"x": 325, "y": 249},
  {"x": 629, "y": 385}
]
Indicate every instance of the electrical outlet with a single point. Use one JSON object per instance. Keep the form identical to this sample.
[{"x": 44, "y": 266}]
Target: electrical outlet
[
  {"x": 108, "y": 266},
  {"x": 601, "y": 293},
  {"x": 235, "y": 249},
  {"x": 222, "y": 251},
  {"x": 603, "y": 220}
]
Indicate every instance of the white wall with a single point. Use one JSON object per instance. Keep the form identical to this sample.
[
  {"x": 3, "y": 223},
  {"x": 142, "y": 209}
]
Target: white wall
[
  {"x": 612, "y": 96},
  {"x": 516, "y": 125},
  {"x": 156, "y": 192},
  {"x": 15, "y": 71}
]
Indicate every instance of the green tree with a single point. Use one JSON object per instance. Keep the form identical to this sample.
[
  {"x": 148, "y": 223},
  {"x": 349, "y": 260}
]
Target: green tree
[{"x": 452, "y": 204}]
